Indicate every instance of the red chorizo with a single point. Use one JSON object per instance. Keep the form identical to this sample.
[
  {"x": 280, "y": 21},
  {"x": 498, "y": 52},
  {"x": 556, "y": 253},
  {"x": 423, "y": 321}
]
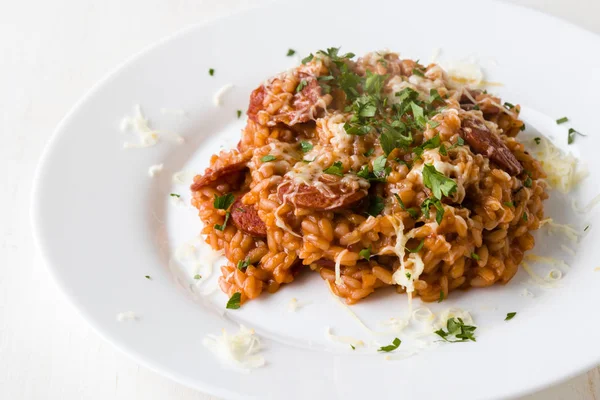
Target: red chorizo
[{"x": 246, "y": 218}]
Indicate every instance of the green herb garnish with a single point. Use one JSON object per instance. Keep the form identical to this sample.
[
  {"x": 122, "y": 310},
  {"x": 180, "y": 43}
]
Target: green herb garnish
[
  {"x": 148, "y": 277},
  {"x": 211, "y": 71},
  {"x": 457, "y": 328},
  {"x": 418, "y": 72},
  {"x": 365, "y": 253},
  {"x": 291, "y": 52},
  {"x": 561, "y": 120},
  {"x": 197, "y": 276},
  {"x": 418, "y": 248},
  {"x": 586, "y": 228},
  {"x": 441, "y": 296},
  {"x": 222, "y": 227},
  {"x": 243, "y": 264},
  {"x": 223, "y": 202},
  {"x": 395, "y": 344},
  {"x": 175, "y": 195},
  {"x": 376, "y": 206},
  {"x": 335, "y": 169},
  {"x": 306, "y": 146},
  {"x": 234, "y": 301},
  {"x": 301, "y": 85},
  {"x": 239, "y": 113},
  {"x": 438, "y": 182},
  {"x": 528, "y": 182},
  {"x": 537, "y": 140},
  {"x": 525, "y": 217},
  {"x": 509, "y": 204},
  {"x": 510, "y": 316},
  {"x": 413, "y": 212},
  {"x": 474, "y": 256},
  {"x": 427, "y": 203},
  {"x": 268, "y": 158},
  {"x": 508, "y": 105}
]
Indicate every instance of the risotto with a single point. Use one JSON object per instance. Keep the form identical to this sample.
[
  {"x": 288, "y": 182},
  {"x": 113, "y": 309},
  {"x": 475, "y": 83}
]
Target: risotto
[{"x": 374, "y": 172}]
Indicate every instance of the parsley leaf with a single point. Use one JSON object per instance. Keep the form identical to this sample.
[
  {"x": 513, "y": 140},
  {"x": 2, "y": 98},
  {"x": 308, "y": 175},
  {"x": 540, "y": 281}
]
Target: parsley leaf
[
  {"x": 379, "y": 169},
  {"x": 586, "y": 228},
  {"x": 301, "y": 85},
  {"x": 308, "y": 58},
  {"x": 438, "y": 182},
  {"x": 429, "y": 144},
  {"x": 222, "y": 227},
  {"x": 510, "y": 316},
  {"x": 335, "y": 169},
  {"x": 175, "y": 195},
  {"x": 418, "y": 72},
  {"x": 561, "y": 120},
  {"x": 223, "y": 202},
  {"x": 365, "y": 253},
  {"x": 474, "y": 256},
  {"x": 509, "y": 204},
  {"x": 395, "y": 344},
  {"x": 353, "y": 348},
  {"x": 457, "y": 328},
  {"x": 441, "y": 299},
  {"x": 439, "y": 215},
  {"x": 291, "y": 52},
  {"x": 211, "y": 71},
  {"x": 413, "y": 212},
  {"x": 268, "y": 158},
  {"x": 572, "y": 133},
  {"x": 234, "y": 301},
  {"x": 369, "y": 152},
  {"x": 418, "y": 248},
  {"x": 306, "y": 146},
  {"x": 243, "y": 264},
  {"x": 528, "y": 182},
  {"x": 197, "y": 276},
  {"x": 376, "y": 206},
  {"x": 537, "y": 140},
  {"x": 148, "y": 277}
]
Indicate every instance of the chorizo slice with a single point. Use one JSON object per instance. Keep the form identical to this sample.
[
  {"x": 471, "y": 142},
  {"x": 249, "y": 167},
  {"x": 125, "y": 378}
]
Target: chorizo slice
[
  {"x": 297, "y": 108},
  {"x": 485, "y": 142},
  {"x": 329, "y": 193},
  {"x": 246, "y": 218},
  {"x": 212, "y": 175}
]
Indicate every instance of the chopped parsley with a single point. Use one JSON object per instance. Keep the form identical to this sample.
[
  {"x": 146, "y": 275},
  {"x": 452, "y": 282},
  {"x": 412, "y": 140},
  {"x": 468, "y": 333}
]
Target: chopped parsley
[
  {"x": 427, "y": 203},
  {"x": 291, "y": 52},
  {"x": 572, "y": 133},
  {"x": 308, "y": 58},
  {"x": 525, "y": 217},
  {"x": 509, "y": 204},
  {"x": 268, "y": 158},
  {"x": 365, "y": 253},
  {"x": 508, "y": 105},
  {"x": 223, "y": 202},
  {"x": 537, "y": 140},
  {"x": 380, "y": 171},
  {"x": 418, "y": 72},
  {"x": 510, "y": 316},
  {"x": 408, "y": 275},
  {"x": 369, "y": 152},
  {"x": 222, "y": 227},
  {"x": 243, "y": 264},
  {"x": 239, "y": 113},
  {"x": 413, "y": 212},
  {"x": 353, "y": 348},
  {"x": 528, "y": 182},
  {"x": 437, "y": 182},
  {"x": 395, "y": 344},
  {"x": 211, "y": 71},
  {"x": 197, "y": 276},
  {"x": 148, "y": 277},
  {"x": 335, "y": 169},
  {"x": 418, "y": 248},
  {"x": 586, "y": 228},
  {"x": 306, "y": 146},
  {"x": 457, "y": 328},
  {"x": 561, "y": 120},
  {"x": 429, "y": 144},
  {"x": 441, "y": 296},
  {"x": 376, "y": 206},
  {"x": 475, "y": 257},
  {"x": 234, "y": 301},
  {"x": 301, "y": 85},
  {"x": 175, "y": 195}
]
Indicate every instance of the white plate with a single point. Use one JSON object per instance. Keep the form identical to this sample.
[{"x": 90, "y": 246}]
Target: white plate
[{"x": 102, "y": 224}]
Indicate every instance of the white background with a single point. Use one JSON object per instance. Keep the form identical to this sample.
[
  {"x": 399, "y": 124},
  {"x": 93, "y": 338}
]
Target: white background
[{"x": 51, "y": 53}]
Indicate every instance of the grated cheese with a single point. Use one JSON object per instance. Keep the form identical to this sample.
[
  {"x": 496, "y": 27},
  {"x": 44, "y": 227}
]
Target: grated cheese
[
  {"x": 139, "y": 124},
  {"x": 338, "y": 274},
  {"x": 241, "y": 351},
  {"x": 127, "y": 316},
  {"x": 547, "y": 260},
  {"x": 293, "y": 305},
  {"x": 562, "y": 169},
  {"x": 217, "y": 98},
  {"x": 154, "y": 170},
  {"x": 538, "y": 279},
  {"x": 587, "y": 208},
  {"x": 183, "y": 177},
  {"x": 568, "y": 250},
  {"x": 526, "y": 293},
  {"x": 567, "y": 230},
  {"x": 343, "y": 339},
  {"x": 444, "y": 316}
]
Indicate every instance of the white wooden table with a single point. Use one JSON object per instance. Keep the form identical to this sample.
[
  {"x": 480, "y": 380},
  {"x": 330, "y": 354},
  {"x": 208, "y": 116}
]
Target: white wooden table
[{"x": 51, "y": 52}]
